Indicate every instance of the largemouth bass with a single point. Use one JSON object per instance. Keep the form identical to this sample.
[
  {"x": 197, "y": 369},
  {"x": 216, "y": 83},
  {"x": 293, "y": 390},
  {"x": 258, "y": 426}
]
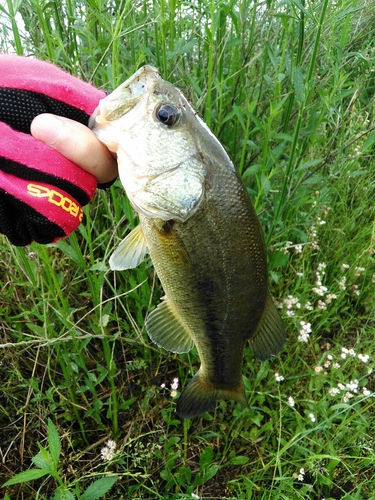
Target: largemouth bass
[{"x": 202, "y": 234}]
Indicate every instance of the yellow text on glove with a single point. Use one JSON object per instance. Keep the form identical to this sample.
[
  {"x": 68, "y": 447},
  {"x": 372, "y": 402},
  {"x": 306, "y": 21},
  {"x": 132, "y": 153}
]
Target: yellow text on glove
[{"x": 56, "y": 198}]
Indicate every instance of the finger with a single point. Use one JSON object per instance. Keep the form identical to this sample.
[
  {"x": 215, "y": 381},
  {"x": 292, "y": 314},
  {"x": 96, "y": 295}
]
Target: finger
[{"x": 77, "y": 143}]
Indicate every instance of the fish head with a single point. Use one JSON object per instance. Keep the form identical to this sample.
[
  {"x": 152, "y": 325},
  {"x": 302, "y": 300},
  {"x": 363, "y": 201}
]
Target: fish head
[{"x": 157, "y": 137}]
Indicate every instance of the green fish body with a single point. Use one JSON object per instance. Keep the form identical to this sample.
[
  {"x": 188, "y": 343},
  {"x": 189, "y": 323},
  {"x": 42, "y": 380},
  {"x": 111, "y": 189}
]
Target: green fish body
[{"x": 202, "y": 234}]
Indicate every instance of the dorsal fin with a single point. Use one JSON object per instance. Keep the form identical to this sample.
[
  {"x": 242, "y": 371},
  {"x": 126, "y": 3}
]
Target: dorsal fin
[{"x": 269, "y": 337}]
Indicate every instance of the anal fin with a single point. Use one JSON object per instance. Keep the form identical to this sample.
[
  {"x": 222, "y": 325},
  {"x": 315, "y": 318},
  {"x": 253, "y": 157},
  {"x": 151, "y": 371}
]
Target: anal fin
[
  {"x": 165, "y": 328},
  {"x": 269, "y": 337},
  {"x": 131, "y": 251}
]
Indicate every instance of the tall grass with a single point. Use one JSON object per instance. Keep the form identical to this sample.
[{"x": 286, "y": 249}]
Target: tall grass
[{"x": 288, "y": 87}]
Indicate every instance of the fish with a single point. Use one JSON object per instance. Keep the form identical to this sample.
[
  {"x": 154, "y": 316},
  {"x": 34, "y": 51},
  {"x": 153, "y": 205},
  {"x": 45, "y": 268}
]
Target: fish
[{"x": 201, "y": 231}]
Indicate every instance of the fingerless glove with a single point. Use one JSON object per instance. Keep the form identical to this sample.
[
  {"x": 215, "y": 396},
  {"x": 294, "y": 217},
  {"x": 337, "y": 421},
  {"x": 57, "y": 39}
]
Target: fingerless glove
[{"x": 41, "y": 192}]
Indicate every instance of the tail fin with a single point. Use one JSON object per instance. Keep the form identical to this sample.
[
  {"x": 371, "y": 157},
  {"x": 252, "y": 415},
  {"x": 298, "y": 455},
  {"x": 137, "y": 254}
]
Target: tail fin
[{"x": 201, "y": 395}]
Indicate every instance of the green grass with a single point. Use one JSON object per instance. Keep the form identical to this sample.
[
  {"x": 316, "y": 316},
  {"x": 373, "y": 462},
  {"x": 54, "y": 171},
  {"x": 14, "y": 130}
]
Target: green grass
[{"x": 288, "y": 87}]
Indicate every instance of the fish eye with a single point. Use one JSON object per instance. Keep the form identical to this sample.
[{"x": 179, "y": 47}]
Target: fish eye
[{"x": 167, "y": 114}]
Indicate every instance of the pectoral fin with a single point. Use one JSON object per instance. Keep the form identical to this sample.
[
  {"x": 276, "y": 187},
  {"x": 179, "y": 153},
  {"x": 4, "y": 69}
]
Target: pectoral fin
[
  {"x": 166, "y": 330},
  {"x": 270, "y": 336},
  {"x": 130, "y": 252}
]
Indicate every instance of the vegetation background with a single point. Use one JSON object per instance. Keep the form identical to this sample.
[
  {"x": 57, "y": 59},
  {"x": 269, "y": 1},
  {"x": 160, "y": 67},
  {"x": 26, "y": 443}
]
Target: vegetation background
[{"x": 288, "y": 87}]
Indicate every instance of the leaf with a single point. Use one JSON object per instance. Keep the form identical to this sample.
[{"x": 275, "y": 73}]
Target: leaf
[
  {"x": 298, "y": 83},
  {"x": 62, "y": 493},
  {"x": 42, "y": 462},
  {"x": 54, "y": 442},
  {"x": 211, "y": 472},
  {"x": 240, "y": 460},
  {"x": 206, "y": 456},
  {"x": 28, "y": 475},
  {"x": 99, "y": 488}
]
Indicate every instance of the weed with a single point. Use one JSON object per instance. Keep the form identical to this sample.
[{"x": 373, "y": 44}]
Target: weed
[{"x": 288, "y": 88}]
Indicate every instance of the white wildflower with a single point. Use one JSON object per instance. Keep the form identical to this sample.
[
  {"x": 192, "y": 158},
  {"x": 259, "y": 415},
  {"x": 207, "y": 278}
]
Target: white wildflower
[
  {"x": 300, "y": 476},
  {"x": 311, "y": 417},
  {"x": 334, "y": 391},
  {"x": 291, "y": 401},
  {"x": 108, "y": 452},
  {"x": 322, "y": 306},
  {"x": 342, "y": 283},
  {"x": 348, "y": 395},
  {"x": 308, "y": 306},
  {"x": 363, "y": 357},
  {"x": 356, "y": 290},
  {"x": 320, "y": 290},
  {"x": 278, "y": 377},
  {"x": 352, "y": 386},
  {"x": 358, "y": 271}
]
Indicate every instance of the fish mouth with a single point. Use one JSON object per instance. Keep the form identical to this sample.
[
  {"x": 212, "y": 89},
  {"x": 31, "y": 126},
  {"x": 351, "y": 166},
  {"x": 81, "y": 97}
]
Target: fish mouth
[{"x": 128, "y": 94}]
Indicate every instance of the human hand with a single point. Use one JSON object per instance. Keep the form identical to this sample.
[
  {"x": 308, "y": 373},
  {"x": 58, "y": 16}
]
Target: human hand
[
  {"x": 42, "y": 187},
  {"x": 78, "y": 144}
]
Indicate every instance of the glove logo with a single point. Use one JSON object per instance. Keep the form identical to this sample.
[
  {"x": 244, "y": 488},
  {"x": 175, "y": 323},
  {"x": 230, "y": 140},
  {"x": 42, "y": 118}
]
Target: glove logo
[{"x": 57, "y": 199}]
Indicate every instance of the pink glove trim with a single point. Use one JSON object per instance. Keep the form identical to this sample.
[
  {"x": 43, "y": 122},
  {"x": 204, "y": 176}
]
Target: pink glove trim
[
  {"x": 44, "y": 78},
  {"x": 54, "y": 203},
  {"x": 24, "y": 149}
]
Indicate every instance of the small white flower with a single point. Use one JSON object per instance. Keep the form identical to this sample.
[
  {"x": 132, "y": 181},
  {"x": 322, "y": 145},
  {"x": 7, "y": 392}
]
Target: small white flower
[
  {"x": 311, "y": 417},
  {"x": 352, "y": 386},
  {"x": 174, "y": 385},
  {"x": 348, "y": 395},
  {"x": 320, "y": 290},
  {"x": 334, "y": 391},
  {"x": 318, "y": 369},
  {"x": 358, "y": 271},
  {"x": 321, "y": 305},
  {"x": 111, "y": 444},
  {"x": 342, "y": 283},
  {"x": 194, "y": 495},
  {"x": 291, "y": 401},
  {"x": 106, "y": 454},
  {"x": 278, "y": 377},
  {"x": 366, "y": 392},
  {"x": 308, "y": 306},
  {"x": 363, "y": 357},
  {"x": 303, "y": 337}
]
